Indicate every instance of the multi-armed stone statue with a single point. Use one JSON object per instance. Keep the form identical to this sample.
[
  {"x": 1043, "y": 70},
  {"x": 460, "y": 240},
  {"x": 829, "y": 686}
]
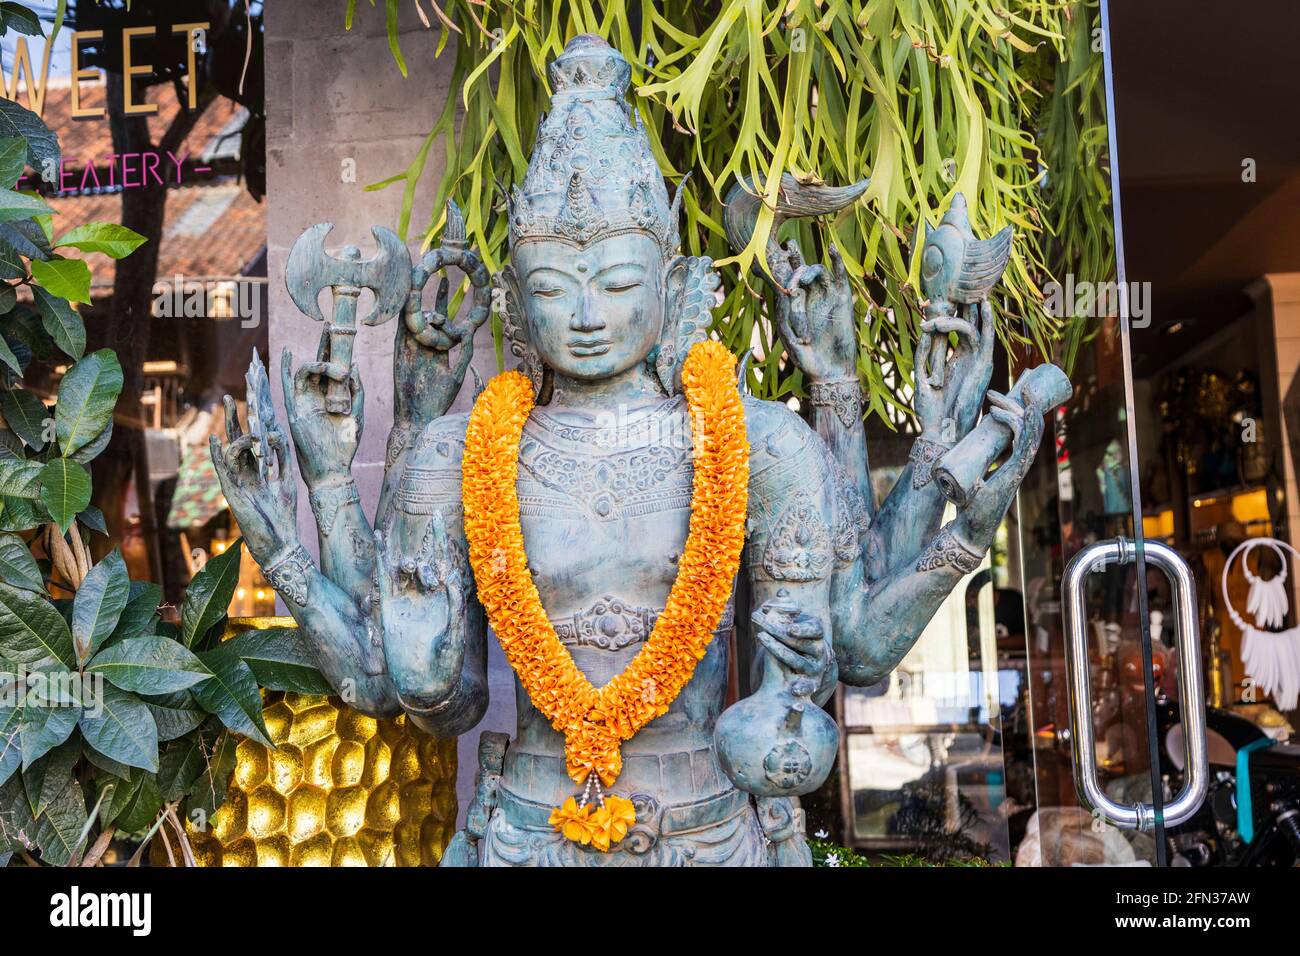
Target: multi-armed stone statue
[{"x": 626, "y": 752}]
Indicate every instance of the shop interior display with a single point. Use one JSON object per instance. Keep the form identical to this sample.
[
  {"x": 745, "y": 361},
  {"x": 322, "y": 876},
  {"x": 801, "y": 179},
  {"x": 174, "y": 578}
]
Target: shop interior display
[{"x": 1271, "y": 657}]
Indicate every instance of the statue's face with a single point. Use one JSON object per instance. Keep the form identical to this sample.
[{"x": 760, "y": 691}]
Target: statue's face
[{"x": 592, "y": 313}]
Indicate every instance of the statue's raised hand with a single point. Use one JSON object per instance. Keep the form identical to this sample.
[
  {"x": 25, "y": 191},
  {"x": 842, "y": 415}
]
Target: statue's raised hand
[
  {"x": 950, "y": 382},
  {"x": 262, "y": 493},
  {"x": 422, "y": 608},
  {"x": 326, "y": 442},
  {"x": 427, "y": 380},
  {"x": 815, "y": 314},
  {"x": 979, "y": 520}
]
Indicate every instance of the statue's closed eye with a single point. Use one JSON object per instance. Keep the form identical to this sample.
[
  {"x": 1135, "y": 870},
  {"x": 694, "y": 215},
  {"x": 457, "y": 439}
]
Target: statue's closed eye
[
  {"x": 618, "y": 288},
  {"x": 548, "y": 292}
]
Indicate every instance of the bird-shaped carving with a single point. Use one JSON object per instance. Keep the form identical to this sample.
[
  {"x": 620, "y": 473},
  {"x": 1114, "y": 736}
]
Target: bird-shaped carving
[
  {"x": 794, "y": 200},
  {"x": 957, "y": 268}
]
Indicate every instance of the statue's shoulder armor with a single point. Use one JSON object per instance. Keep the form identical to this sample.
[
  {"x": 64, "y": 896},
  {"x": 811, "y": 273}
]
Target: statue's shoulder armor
[
  {"x": 785, "y": 453},
  {"x": 431, "y": 476}
]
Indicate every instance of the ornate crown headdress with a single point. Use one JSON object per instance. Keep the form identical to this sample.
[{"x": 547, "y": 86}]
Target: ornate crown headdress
[{"x": 592, "y": 173}]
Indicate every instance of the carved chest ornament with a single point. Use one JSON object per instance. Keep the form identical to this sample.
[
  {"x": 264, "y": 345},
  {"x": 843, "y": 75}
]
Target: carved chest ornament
[{"x": 595, "y": 722}]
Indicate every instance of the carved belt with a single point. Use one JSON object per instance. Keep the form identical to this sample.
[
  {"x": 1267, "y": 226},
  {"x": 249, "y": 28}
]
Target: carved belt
[
  {"x": 653, "y": 820},
  {"x": 612, "y": 624}
]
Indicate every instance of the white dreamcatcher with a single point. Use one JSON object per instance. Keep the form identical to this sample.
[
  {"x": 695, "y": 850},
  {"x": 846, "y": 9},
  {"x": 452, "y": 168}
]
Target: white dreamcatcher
[{"x": 1271, "y": 658}]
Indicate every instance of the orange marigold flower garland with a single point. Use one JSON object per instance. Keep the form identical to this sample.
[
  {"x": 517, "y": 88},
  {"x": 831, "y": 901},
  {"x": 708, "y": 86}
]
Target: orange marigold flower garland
[{"x": 596, "y": 721}]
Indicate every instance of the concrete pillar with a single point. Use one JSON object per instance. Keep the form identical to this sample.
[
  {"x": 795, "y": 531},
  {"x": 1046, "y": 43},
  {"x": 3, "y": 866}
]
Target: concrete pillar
[{"x": 335, "y": 99}]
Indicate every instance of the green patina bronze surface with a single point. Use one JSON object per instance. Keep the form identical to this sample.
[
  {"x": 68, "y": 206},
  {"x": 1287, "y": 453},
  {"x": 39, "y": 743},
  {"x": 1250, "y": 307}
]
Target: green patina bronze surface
[{"x": 600, "y": 310}]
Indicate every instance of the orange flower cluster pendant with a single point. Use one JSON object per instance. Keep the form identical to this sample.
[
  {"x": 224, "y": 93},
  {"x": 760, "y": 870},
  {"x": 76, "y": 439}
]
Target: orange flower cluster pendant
[{"x": 596, "y": 721}]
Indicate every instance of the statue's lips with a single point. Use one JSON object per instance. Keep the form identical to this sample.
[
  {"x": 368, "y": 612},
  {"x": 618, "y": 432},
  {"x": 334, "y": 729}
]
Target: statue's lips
[{"x": 588, "y": 347}]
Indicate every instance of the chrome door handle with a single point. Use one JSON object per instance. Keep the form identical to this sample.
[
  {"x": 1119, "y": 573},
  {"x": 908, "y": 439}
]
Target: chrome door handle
[{"x": 1138, "y": 816}]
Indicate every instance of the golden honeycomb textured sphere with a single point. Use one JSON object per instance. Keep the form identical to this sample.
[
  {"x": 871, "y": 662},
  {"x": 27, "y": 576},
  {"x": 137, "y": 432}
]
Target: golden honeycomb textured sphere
[{"x": 339, "y": 789}]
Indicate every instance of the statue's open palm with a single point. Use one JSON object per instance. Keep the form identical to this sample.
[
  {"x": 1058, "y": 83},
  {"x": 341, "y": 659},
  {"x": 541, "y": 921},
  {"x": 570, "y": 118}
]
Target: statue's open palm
[
  {"x": 326, "y": 442},
  {"x": 263, "y": 495},
  {"x": 422, "y": 602}
]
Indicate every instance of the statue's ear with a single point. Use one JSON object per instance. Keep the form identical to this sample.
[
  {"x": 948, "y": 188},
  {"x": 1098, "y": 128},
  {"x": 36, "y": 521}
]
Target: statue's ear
[
  {"x": 690, "y": 293},
  {"x": 510, "y": 302}
]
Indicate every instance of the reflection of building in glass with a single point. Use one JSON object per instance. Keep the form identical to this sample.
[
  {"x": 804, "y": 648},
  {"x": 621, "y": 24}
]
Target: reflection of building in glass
[{"x": 208, "y": 307}]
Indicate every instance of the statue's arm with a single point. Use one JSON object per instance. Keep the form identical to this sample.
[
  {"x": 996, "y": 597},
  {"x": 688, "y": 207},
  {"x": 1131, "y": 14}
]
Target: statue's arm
[
  {"x": 876, "y": 618},
  {"x": 791, "y": 555},
  {"x": 948, "y": 392},
  {"x": 837, "y": 418},
  {"x": 434, "y": 629},
  {"x": 342, "y": 637},
  {"x": 257, "y": 477},
  {"x": 426, "y": 375},
  {"x": 326, "y": 443}
]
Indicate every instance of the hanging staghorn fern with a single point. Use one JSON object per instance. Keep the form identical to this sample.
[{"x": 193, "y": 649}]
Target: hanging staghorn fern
[
  {"x": 925, "y": 97},
  {"x": 1075, "y": 141}
]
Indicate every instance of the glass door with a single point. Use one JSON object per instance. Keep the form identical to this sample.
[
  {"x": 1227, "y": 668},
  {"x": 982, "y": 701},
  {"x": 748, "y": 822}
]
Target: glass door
[
  {"x": 1107, "y": 673},
  {"x": 1026, "y": 725}
]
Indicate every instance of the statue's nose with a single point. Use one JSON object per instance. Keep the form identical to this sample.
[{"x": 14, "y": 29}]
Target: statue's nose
[{"x": 586, "y": 317}]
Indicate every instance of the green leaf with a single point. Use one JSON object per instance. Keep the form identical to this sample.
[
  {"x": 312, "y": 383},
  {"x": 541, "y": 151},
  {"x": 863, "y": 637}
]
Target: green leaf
[
  {"x": 176, "y": 714},
  {"x": 93, "y": 519},
  {"x": 232, "y": 694},
  {"x": 8, "y": 297},
  {"x": 209, "y": 594},
  {"x": 31, "y": 630},
  {"x": 135, "y": 803},
  {"x": 22, "y": 514},
  {"x": 124, "y": 789},
  {"x": 15, "y": 205},
  {"x": 25, "y": 414},
  {"x": 20, "y": 478},
  {"x": 149, "y": 665},
  {"x": 7, "y": 354},
  {"x": 23, "y": 324},
  {"x": 27, "y": 238},
  {"x": 13, "y": 161},
  {"x": 17, "y": 566},
  {"x": 280, "y": 660},
  {"x": 65, "y": 490},
  {"x": 87, "y": 396},
  {"x": 11, "y": 719},
  {"x": 124, "y": 730},
  {"x": 109, "y": 766},
  {"x": 109, "y": 238},
  {"x": 60, "y": 12},
  {"x": 141, "y": 606},
  {"x": 19, "y": 18},
  {"x": 44, "y": 779},
  {"x": 67, "y": 278},
  {"x": 182, "y": 763},
  {"x": 90, "y": 451},
  {"x": 11, "y": 263},
  {"x": 58, "y": 831},
  {"x": 42, "y": 145},
  {"x": 61, "y": 321},
  {"x": 98, "y": 605},
  {"x": 17, "y": 827},
  {"x": 46, "y": 725},
  {"x": 209, "y": 792}
]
